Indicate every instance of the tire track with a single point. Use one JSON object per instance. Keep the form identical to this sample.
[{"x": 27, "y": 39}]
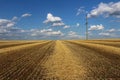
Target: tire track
[
  {"x": 40, "y": 71},
  {"x": 25, "y": 65},
  {"x": 59, "y": 60},
  {"x": 62, "y": 65},
  {"x": 98, "y": 66},
  {"x": 7, "y": 58}
]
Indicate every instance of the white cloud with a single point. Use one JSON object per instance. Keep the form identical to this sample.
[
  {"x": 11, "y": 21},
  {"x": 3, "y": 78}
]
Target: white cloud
[
  {"x": 66, "y": 26},
  {"x": 26, "y": 15},
  {"x": 104, "y": 34},
  {"x": 112, "y": 33},
  {"x": 50, "y": 32},
  {"x": 34, "y": 34},
  {"x": 10, "y": 24},
  {"x": 55, "y": 33},
  {"x": 14, "y": 18},
  {"x": 112, "y": 30},
  {"x": 51, "y": 18},
  {"x": 23, "y": 31},
  {"x": 96, "y": 27},
  {"x": 77, "y": 24},
  {"x": 4, "y": 23},
  {"x": 9, "y": 31},
  {"x": 90, "y": 33},
  {"x": 46, "y": 33},
  {"x": 46, "y": 30},
  {"x": 55, "y": 21},
  {"x": 3, "y": 31},
  {"x": 58, "y": 24},
  {"x": 110, "y": 9},
  {"x": 12, "y": 33},
  {"x": 109, "y": 33},
  {"x": 73, "y": 35},
  {"x": 80, "y": 10}
]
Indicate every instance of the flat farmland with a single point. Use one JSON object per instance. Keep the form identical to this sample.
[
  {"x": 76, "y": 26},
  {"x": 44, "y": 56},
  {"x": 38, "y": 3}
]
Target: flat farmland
[{"x": 60, "y": 60}]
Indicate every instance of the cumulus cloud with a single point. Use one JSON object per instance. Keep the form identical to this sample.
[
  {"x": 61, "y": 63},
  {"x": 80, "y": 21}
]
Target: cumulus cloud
[
  {"x": 51, "y": 18},
  {"x": 9, "y": 31},
  {"x": 106, "y": 9},
  {"x": 3, "y": 31},
  {"x": 55, "y": 21},
  {"x": 58, "y": 24},
  {"x": 96, "y": 27},
  {"x": 4, "y": 23},
  {"x": 46, "y": 30},
  {"x": 26, "y": 15},
  {"x": 12, "y": 33},
  {"x": 16, "y": 30},
  {"x": 73, "y": 35},
  {"x": 17, "y": 33},
  {"x": 66, "y": 26},
  {"x": 111, "y": 33},
  {"x": 46, "y": 33},
  {"x": 112, "y": 30},
  {"x": 77, "y": 24},
  {"x": 14, "y": 18},
  {"x": 80, "y": 10},
  {"x": 104, "y": 34}
]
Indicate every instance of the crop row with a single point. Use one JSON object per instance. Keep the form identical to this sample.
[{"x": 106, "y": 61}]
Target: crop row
[{"x": 19, "y": 66}]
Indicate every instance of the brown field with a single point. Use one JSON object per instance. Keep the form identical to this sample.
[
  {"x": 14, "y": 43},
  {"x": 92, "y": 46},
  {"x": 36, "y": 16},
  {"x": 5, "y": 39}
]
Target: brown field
[{"x": 60, "y": 60}]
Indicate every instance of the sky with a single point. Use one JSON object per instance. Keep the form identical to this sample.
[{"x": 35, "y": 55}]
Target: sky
[{"x": 59, "y": 19}]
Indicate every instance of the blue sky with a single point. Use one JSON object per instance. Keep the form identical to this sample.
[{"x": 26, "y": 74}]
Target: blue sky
[{"x": 64, "y": 19}]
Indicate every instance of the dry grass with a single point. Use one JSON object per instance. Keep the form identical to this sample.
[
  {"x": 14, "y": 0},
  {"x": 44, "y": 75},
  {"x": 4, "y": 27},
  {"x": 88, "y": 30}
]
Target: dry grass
[
  {"x": 114, "y": 44},
  {"x": 104, "y": 42},
  {"x": 10, "y": 44},
  {"x": 100, "y": 48},
  {"x": 60, "y": 60},
  {"x": 11, "y": 48},
  {"x": 62, "y": 65},
  {"x": 100, "y": 64},
  {"x": 25, "y": 63}
]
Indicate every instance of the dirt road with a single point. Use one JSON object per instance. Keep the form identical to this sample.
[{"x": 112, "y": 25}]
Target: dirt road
[{"x": 59, "y": 60}]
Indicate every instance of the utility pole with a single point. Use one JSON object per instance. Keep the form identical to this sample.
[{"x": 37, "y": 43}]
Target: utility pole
[{"x": 86, "y": 27}]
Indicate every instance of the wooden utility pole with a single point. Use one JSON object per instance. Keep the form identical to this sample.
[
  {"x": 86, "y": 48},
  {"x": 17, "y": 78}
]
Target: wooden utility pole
[{"x": 86, "y": 27}]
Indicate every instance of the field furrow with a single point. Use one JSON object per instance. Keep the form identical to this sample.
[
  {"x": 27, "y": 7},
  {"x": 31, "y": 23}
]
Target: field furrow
[
  {"x": 5, "y": 45},
  {"x": 114, "y": 44},
  {"x": 22, "y": 66},
  {"x": 14, "y": 48},
  {"x": 98, "y": 66},
  {"x": 63, "y": 65},
  {"x": 100, "y": 48},
  {"x": 60, "y": 60}
]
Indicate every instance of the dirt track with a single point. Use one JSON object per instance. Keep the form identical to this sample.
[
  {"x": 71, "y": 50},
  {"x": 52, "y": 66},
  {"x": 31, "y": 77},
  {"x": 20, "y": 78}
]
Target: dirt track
[{"x": 59, "y": 60}]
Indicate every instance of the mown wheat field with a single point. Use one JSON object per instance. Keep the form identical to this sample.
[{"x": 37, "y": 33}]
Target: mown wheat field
[{"x": 60, "y": 60}]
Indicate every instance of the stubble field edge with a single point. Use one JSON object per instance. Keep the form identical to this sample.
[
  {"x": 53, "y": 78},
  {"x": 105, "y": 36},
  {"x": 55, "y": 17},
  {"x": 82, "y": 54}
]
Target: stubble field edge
[
  {"x": 99, "y": 47},
  {"x": 13, "y": 48}
]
